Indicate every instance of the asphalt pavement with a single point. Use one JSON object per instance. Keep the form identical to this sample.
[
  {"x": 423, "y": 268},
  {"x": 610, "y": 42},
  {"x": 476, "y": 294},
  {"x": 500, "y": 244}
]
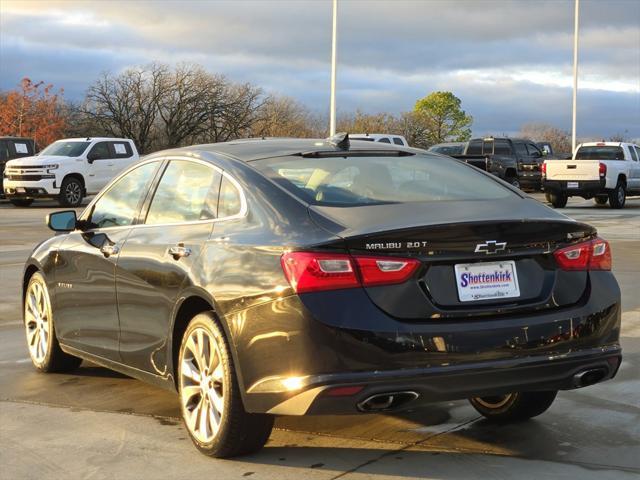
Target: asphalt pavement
[{"x": 96, "y": 424}]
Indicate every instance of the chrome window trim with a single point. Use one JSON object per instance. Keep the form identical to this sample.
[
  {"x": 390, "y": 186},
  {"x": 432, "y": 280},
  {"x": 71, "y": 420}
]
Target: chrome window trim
[{"x": 243, "y": 200}]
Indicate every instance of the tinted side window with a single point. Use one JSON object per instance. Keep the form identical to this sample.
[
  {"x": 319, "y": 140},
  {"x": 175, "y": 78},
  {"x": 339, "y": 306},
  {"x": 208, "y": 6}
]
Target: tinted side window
[
  {"x": 384, "y": 140},
  {"x": 188, "y": 192},
  {"x": 121, "y": 150},
  {"x": 475, "y": 147},
  {"x": 4, "y": 150},
  {"x": 229, "y": 203},
  {"x": 638, "y": 152},
  {"x": 521, "y": 149},
  {"x": 100, "y": 151},
  {"x": 397, "y": 141},
  {"x": 502, "y": 147},
  {"x": 634, "y": 156},
  {"x": 119, "y": 205},
  {"x": 533, "y": 150}
]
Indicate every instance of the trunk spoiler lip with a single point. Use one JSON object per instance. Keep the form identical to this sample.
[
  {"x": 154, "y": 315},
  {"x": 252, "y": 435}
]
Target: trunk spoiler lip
[{"x": 344, "y": 233}]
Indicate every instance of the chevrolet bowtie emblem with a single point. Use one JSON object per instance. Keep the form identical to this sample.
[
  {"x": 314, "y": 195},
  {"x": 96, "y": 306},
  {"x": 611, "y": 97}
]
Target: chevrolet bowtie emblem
[{"x": 491, "y": 246}]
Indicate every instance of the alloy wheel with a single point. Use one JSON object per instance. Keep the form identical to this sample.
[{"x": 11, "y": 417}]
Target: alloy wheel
[
  {"x": 73, "y": 193},
  {"x": 202, "y": 385},
  {"x": 496, "y": 401},
  {"x": 37, "y": 314}
]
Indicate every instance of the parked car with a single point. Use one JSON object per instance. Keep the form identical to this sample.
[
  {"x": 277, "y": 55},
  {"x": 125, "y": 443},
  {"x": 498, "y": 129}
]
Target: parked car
[
  {"x": 298, "y": 276},
  {"x": 451, "y": 148},
  {"x": 516, "y": 161},
  {"x": 380, "y": 137},
  {"x": 67, "y": 170},
  {"x": 604, "y": 171},
  {"x": 13, "y": 147}
]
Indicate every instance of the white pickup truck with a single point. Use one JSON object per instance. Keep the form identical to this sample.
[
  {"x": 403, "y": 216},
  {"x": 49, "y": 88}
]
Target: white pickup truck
[
  {"x": 604, "y": 171},
  {"x": 67, "y": 170}
]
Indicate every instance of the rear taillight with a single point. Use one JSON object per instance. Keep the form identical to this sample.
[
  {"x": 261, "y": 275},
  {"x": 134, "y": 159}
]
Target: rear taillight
[
  {"x": 602, "y": 170},
  {"x": 591, "y": 255},
  {"x": 385, "y": 270},
  {"x": 544, "y": 169},
  {"x": 310, "y": 272}
]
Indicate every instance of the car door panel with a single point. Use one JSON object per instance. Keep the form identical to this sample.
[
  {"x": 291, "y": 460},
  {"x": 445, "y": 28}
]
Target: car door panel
[
  {"x": 149, "y": 282},
  {"x": 86, "y": 306},
  {"x": 156, "y": 261}
]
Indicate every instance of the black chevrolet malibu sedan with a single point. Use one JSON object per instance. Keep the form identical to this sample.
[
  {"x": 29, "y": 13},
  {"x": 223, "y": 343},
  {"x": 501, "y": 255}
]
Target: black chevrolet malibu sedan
[{"x": 295, "y": 277}]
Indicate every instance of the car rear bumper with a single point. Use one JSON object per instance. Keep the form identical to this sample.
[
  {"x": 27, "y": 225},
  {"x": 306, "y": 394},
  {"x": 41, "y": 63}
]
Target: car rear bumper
[
  {"x": 530, "y": 179},
  {"x": 445, "y": 383},
  {"x": 290, "y": 367},
  {"x": 589, "y": 188}
]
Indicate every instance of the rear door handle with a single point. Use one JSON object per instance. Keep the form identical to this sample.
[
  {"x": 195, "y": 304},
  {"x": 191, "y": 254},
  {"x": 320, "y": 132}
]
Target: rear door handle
[
  {"x": 179, "y": 251},
  {"x": 108, "y": 250}
]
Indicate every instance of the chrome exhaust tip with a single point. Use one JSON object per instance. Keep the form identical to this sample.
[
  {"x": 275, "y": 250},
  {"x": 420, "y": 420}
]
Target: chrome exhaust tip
[
  {"x": 381, "y": 402},
  {"x": 589, "y": 376}
]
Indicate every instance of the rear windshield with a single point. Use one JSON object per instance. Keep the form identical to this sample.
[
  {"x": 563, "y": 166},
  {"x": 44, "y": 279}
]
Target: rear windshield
[
  {"x": 66, "y": 149},
  {"x": 600, "y": 153},
  {"x": 355, "y": 181}
]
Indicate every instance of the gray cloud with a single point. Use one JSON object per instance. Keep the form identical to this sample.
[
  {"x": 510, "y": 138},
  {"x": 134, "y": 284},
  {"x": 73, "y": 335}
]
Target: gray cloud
[{"x": 509, "y": 61}]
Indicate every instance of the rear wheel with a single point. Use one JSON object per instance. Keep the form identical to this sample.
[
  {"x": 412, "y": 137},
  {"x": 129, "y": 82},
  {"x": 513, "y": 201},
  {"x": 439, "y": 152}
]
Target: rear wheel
[
  {"x": 210, "y": 399},
  {"x": 513, "y": 181},
  {"x": 558, "y": 200},
  {"x": 71, "y": 192},
  {"x": 44, "y": 349},
  {"x": 513, "y": 407},
  {"x": 618, "y": 196},
  {"x": 22, "y": 202},
  {"x": 601, "y": 199}
]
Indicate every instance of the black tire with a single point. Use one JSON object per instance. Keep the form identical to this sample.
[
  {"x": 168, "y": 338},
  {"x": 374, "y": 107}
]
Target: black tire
[
  {"x": 71, "y": 192},
  {"x": 239, "y": 432},
  {"x": 513, "y": 181},
  {"x": 618, "y": 196},
  {"x": 601, "y": 199},
  {"x": 514, "y": 407},
  {"x": 558, "y": 200},
  {"x": 21, "y": 202},
  {"x": 54, "y": 359}
]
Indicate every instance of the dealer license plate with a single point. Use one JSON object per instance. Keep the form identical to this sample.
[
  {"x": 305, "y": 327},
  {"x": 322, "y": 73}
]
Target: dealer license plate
[
  {"x": 573, "y": 185},
  {"x": 487, "y": 281}
]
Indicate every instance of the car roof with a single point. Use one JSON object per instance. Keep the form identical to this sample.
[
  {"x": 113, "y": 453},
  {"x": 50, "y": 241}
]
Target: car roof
[
  {"x": 17, "y": 138},
  {"x": 91, "y": 139},
  {"x": 605, "y": 144},
  {"x": 258, "y": 148}
]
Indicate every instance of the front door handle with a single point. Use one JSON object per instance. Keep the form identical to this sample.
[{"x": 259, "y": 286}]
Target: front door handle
[
  {"x": 108, "y": 250},
  {"x": 179, "y": 251}
]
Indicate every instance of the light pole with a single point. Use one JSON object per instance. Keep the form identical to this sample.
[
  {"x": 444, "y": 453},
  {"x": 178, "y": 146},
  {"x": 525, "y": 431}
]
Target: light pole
[
  {"x": 334, "y": 38},
  {"x": 575, "y": 75}
]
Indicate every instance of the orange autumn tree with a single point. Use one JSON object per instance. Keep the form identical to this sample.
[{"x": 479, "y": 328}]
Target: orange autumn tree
[{"x": 34, "y": 110}]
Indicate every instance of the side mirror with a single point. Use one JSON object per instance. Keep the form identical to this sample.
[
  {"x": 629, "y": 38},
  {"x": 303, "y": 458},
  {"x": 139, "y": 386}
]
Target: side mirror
[
  {"x": 62, "y": 221},
  {"x": 91, "y": 157}
]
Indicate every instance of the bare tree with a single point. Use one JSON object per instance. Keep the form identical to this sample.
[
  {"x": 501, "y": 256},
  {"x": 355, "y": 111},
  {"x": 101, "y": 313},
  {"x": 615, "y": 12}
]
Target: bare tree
[
  {"x": 126, "y": 105},
  {"x": 543, "y": 132},
  {"x": 369, "y": 123},
  {"x": 285, "y": 117}
]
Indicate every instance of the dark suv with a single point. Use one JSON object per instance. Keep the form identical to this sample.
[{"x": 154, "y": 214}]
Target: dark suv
[
  {"x": 515, "y": 160},
  {"x": 13, "y": 147}
]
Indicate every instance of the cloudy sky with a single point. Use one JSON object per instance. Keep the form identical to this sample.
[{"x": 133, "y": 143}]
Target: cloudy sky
[{"x": 509, "y": 61}]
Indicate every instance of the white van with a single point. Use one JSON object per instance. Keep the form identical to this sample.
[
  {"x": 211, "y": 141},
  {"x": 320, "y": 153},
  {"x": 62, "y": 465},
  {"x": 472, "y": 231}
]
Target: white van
[
  {"x": 67, "y": 170},
  {"x": 380, "y": 137}
]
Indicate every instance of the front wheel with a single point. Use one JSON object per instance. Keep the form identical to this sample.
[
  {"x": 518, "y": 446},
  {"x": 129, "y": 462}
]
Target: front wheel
[
  {"x": 71, "y": 192},
  {"x": 618, "y": 196},
  {"x": 211, "y": 404},
  {"x": 44, "y": 349},
  {"x": 513, "y": 407},
  {"x": 21, "y": 202},
  {"x": 558, "y": 200}
]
